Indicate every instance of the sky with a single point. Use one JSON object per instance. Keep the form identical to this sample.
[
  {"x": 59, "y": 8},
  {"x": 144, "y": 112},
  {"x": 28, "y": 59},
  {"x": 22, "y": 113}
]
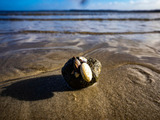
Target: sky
[{"x": 79, "y": 4}]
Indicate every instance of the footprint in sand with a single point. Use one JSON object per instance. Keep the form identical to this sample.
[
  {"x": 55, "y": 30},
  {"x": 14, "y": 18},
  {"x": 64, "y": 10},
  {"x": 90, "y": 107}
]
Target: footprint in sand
[{"x": 142, "y": 75}]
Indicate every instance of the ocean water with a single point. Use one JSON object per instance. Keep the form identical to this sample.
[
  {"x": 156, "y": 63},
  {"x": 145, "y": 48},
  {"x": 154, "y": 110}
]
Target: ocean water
[
  {"x": 79, "y": 22},
  {"x": 113, "y": 24}
]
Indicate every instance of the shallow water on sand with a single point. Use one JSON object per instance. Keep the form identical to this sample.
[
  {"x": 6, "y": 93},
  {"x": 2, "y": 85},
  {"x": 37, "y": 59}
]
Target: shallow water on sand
[{"x": 32, "y": 53}]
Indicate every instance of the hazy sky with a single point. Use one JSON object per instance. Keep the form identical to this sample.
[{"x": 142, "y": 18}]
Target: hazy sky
[{"x": 76, "y": 4}]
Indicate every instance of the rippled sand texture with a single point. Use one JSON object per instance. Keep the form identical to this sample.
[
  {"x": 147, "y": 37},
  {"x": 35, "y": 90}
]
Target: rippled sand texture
[{"x": 32, "y": 87}]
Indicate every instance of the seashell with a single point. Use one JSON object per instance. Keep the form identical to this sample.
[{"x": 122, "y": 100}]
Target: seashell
[
  {"x": 77, "y": 63},
  {"x": 76, "y": 74},
  {"x": 86, "y": 72},
  {"x": 82, "y": 59}
]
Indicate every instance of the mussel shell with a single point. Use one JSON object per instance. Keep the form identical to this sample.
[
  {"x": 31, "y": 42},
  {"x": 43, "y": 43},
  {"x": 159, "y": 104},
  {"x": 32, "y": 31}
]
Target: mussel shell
[{"x": 76, "y": 63}]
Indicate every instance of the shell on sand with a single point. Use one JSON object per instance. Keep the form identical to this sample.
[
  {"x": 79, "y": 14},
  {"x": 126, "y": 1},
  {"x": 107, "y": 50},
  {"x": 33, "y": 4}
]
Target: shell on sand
[{"x": 86, "y": 72}]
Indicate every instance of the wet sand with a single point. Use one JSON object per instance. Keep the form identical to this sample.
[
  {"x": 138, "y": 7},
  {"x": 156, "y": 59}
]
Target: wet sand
[{"x": 32, "y": 87}]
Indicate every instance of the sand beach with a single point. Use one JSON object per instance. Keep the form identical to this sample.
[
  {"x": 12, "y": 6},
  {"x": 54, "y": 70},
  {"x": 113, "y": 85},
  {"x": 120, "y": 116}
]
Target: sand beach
[{"x": 32, "y": 86}]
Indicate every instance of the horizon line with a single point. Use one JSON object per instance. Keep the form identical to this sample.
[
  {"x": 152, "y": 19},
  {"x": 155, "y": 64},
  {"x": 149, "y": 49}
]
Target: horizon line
[{"x": 81, "y": 10}]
